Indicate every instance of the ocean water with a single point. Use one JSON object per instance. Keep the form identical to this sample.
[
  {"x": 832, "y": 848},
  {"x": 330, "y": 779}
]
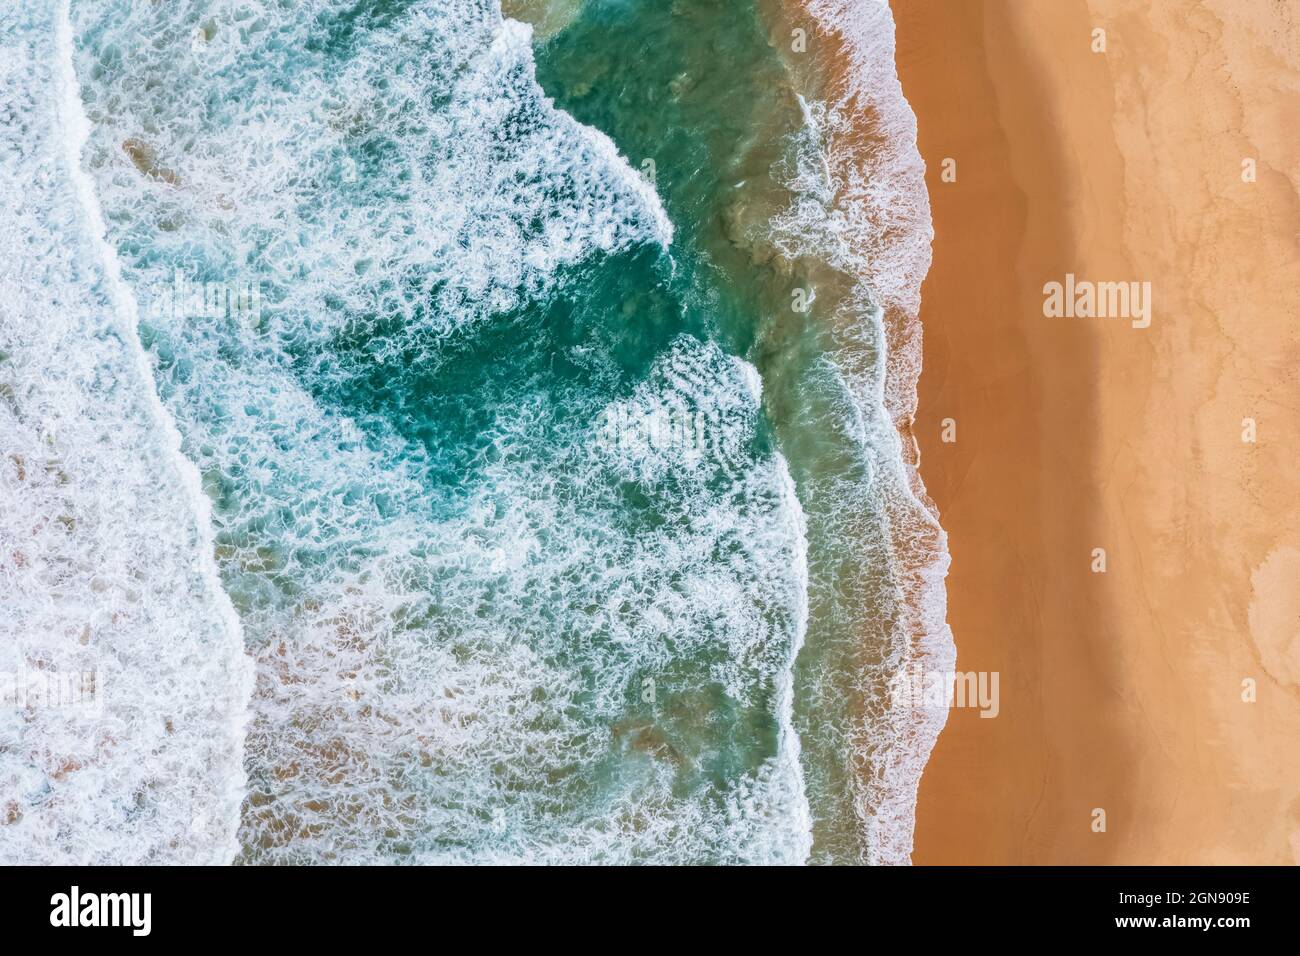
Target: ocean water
[{"x": 414, "y": 428}]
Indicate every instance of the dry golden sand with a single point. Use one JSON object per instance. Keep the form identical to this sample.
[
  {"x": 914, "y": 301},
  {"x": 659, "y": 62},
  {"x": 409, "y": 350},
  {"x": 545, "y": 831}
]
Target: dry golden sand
[{"x": 1121, "y": 690}]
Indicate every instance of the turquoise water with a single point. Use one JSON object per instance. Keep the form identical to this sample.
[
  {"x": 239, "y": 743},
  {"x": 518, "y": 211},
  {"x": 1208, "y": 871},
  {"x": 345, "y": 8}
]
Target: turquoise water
[
  {"x": 699, "y": 89},
  {"x": 554, "y": 532}
]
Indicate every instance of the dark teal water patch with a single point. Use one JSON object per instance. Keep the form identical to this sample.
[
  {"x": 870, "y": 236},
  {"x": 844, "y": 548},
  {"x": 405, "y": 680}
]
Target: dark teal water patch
[
  {"x": 695, "y": 89},
  {"x": 590, "y": 340}
]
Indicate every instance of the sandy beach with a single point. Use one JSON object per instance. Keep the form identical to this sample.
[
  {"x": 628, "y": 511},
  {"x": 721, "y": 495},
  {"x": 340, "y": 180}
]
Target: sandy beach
[{"x": 1161, "y": 690}]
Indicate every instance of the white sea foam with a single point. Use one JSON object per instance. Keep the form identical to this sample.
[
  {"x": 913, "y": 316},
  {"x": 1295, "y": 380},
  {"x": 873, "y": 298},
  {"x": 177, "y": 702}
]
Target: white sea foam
[
  {"x": 458, "y": 674},
  {"x": 455, "y": 177},
  {"x": 454, "y": 697},
  {"x": 860, "y": 205},
  {"x": 105, "y": 553}
]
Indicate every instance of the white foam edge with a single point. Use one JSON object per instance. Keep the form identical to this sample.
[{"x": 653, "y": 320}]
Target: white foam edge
[
  {"x": 516, "y": 37},
  {"x": 76, "y": 131}
]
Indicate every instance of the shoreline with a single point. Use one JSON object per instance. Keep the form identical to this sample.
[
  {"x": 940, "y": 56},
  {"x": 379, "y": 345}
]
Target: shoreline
[
  {"x": 880, "y": 242},
  {"x": 1123, "y": 690}
]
